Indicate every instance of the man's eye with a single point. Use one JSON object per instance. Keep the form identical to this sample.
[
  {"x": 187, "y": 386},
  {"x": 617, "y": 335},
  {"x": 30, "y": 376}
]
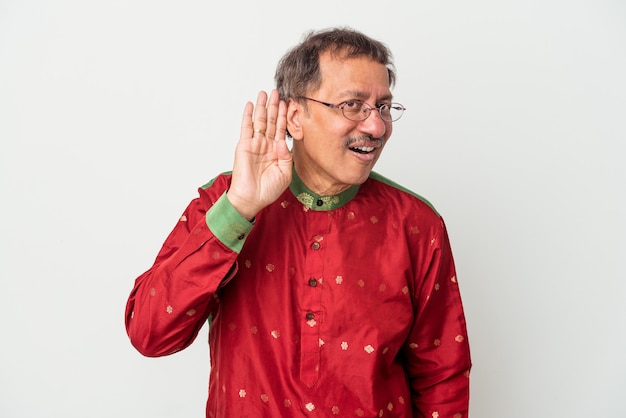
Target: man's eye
[{"x": 353, "y": 105}]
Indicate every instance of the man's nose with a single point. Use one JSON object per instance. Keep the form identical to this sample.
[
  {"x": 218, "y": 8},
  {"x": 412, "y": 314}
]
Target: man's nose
[{"x": 374, "y": 125}]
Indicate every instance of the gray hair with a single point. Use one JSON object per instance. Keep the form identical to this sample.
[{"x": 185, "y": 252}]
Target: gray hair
[{"x": 298, "y": 71}]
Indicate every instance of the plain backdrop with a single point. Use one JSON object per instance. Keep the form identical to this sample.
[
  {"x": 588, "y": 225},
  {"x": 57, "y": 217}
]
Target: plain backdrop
[{"x": 112, "y": 113}]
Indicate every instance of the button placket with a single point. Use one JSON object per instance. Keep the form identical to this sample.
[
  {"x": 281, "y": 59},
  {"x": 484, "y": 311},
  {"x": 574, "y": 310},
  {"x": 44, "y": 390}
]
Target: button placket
[{"x": 311, "y": 306}]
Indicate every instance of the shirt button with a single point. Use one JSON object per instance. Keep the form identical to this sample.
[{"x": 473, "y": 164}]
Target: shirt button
[
  {"x": 316, "y": 246},
  {"x": 312, "y": 282},
  {"x": 310, "y": 315},
  {"x": 320, "y": 202}
]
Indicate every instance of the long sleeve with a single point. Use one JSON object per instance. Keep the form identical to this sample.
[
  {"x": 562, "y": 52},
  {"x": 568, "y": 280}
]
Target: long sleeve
[
  {"x": 437, "y": 351},
  {"x": 336, "y": 305},
  {"x": 171, "y": 301}
]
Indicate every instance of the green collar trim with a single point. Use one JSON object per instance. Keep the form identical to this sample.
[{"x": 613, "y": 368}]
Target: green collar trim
[{"x": 313, "y": 201}]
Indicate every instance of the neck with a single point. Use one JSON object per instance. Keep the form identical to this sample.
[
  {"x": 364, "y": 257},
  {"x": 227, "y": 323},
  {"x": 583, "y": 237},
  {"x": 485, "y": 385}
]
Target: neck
[{"x": 311, "y": 178}]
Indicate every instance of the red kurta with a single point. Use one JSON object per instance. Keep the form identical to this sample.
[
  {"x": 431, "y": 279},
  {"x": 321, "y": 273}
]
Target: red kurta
[{"x": 342, "y": 305}]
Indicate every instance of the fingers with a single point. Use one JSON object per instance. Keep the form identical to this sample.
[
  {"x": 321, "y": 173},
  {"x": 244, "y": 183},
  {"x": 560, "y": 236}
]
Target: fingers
[
  {"x": 281, "y": 124},
  {"x": 273, "y": 112},
  {"x": 266, "y": 118},
  {"x": 259, "y": 123},
  {"x": 246, "y": 121},
  {"x": 254, "y": 117}
]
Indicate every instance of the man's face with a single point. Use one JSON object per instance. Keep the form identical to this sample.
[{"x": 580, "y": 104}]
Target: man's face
[{"x": 332, "y": 152}]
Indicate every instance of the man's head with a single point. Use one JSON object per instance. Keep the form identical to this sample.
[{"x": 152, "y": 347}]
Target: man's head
[{"x": 339, "y": 107}]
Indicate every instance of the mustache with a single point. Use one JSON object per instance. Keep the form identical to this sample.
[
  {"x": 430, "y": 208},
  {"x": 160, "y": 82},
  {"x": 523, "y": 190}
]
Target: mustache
[{"x": 364, "y": 138}]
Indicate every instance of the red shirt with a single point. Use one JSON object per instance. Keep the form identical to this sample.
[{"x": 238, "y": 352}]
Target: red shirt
[{"x": 325, "y": 306}]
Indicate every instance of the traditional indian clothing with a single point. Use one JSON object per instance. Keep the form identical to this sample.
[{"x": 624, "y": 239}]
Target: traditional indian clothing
[{"x": 344, "y": 305}]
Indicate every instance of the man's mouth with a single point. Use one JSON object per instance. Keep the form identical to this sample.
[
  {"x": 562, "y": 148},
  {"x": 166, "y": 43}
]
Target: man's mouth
[
  {"x": 364, "y": 145},
  {"x": 362, "y": 150}
]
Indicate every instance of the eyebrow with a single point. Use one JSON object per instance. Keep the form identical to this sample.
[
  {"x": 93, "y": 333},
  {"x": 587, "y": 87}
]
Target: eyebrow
[{"x": 361, "y": 95}]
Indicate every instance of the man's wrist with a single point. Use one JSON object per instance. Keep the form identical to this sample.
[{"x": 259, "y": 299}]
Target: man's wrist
[{"x": 227, "y": 224}]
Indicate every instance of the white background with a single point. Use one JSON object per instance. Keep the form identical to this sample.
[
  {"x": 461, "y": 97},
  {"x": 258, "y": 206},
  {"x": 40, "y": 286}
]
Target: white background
[{"x": 112, "y": 113}]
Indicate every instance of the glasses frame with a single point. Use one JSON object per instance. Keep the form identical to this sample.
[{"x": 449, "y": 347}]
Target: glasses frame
[{"x": 367, "y": 108}]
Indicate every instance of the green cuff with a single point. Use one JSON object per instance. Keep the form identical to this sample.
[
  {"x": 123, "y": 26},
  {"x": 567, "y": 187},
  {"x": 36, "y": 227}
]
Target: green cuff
[{"x": 227, "y": 224}]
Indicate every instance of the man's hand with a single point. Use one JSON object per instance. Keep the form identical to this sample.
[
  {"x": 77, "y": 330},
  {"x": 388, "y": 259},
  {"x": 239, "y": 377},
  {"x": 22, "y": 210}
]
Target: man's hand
[{"x": 263, "y": 163}]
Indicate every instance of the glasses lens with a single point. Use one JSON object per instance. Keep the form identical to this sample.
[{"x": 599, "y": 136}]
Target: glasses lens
[
  {"x": 358, "y": 111},
  {"x": 355, "y": 110},
  {"x": 391, "y": 112}
]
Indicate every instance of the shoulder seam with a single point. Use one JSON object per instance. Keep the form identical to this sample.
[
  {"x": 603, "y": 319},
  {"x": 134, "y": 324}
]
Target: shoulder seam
[
  {"x": 379, "y": 177},
  {"x": 210, "y": 182}
]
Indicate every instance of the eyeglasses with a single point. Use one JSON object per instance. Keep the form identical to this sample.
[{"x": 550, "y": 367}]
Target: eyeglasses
[{"x": 356, "y": 110}]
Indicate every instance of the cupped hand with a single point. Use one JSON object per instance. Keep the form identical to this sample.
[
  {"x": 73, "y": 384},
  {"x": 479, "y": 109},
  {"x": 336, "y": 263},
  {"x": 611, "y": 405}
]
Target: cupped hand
[{"x": 263, "y": 162}]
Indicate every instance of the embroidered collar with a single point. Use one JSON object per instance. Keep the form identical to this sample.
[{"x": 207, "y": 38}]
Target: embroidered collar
[{"x": 313, "y": 201}]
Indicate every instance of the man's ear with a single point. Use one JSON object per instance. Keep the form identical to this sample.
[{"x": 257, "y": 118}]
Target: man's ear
[{"x": 294, "y": 112}]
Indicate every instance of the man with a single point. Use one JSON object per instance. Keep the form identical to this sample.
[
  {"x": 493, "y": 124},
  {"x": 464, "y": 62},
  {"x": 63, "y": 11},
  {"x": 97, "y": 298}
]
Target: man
[{"x": 330, "y": 290}]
